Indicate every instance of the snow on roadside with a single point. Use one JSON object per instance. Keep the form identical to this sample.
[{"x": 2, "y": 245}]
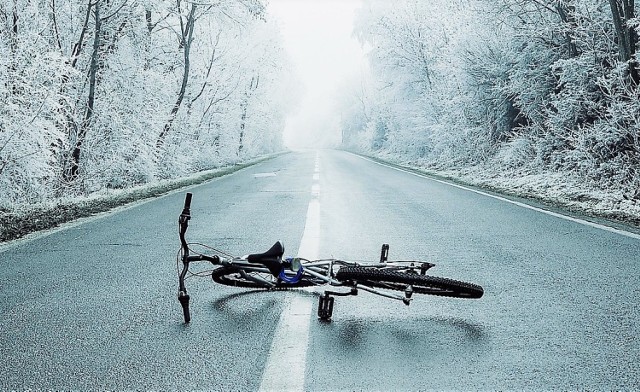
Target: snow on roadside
[
  {"x": 554, "y": 189},
  {"x": 25, "y": 219}
]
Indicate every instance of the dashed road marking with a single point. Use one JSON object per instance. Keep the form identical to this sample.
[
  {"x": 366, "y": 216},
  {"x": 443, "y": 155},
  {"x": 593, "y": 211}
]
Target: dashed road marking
[{"x": 262, "y": 175}]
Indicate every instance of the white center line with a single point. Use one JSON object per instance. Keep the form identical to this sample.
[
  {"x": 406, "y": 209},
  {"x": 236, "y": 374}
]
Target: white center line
[{"x": 286, "y": 364}]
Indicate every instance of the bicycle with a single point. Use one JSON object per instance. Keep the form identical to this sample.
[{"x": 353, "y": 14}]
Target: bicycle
[{"x": 270, "y": 271}]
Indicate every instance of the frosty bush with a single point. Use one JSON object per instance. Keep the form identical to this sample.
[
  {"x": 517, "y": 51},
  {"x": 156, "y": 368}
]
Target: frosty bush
[{"x": 516, "y": 85}]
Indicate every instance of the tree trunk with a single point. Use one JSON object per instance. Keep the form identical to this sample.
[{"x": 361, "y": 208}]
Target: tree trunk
[
  {"x": 243, "y": 120},
  {"x": 70, "y": 126},
  {"x": 14, "y": 46},
  {"x": 185, "y": 42},
  {"x": 253, "y": 85},
  {"x": 74, "y": 167},
  {"x": 567, "y": 15},
  {"x": 623, "y": 13}
]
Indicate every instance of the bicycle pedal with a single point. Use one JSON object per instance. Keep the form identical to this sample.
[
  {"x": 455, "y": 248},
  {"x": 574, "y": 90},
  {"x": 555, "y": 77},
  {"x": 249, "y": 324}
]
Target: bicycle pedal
[{"x": 325, "y": 307}]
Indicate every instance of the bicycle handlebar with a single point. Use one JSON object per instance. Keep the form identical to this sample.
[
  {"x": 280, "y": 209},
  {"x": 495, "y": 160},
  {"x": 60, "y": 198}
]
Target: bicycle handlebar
[{"x": 183, "y": 221}]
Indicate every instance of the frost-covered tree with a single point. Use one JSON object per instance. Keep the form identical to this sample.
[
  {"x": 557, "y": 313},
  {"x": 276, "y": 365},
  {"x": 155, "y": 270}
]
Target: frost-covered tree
[
  {"x": 416, "y": 67},
  {"x": 524, "y": 85},
  {"x": 30, "y": 78},
  {"x": 108, "y": 94}
]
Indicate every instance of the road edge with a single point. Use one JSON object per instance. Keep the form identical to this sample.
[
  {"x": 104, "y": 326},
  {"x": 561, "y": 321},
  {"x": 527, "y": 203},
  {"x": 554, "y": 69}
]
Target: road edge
[
  {"x": 41, "y": 219},
  {"x": 552, "y": 207}
]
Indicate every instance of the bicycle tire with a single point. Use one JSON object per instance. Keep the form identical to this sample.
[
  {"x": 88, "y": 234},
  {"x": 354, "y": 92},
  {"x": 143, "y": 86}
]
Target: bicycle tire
[
  {"x": 230, "y": 276},
  {"x": 398, "y": 280}
]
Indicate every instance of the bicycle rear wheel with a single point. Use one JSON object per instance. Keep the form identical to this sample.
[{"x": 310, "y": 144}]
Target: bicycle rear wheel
[
  {"x": 398, "y": 280},
  {"x": 236, "y": 277}
]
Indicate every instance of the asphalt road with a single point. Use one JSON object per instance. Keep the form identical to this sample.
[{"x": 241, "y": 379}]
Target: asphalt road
[{"x": 93, "y": 306}]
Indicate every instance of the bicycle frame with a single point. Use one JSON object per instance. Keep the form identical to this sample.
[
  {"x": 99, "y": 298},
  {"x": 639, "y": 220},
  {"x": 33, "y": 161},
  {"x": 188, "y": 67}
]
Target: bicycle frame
[
  {"x": 321, "y": 270},
  {"x": 318, "y": 269},
  {"x": 261, "y": 271}
]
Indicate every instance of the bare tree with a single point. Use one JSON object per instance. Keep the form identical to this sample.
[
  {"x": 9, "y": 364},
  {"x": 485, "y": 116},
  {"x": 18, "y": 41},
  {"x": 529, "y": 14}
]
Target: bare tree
[
  {"x": 185, "y": 41},
  {"x": 623, "y": 14},
  {"x": 566, "y": 10},
  {"x": 253, "y": 86},
  {"x": 74, "y": 166},
  {"x": 71, "y": 161},
  {"x": 100, "y": 46}
]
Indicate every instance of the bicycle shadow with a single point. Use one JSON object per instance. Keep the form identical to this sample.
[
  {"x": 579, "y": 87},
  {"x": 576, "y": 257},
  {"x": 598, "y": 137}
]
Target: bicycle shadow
[
  {"x": 245, "y": 304},
  {"x": 353, "y": 333},
  {"x": 238, "y": 305},
  {"x": 396, "y": 347},
  {"x": 391, "y": 345},
  {"x": 350, "y": 332},
  {"x": 223, "y": 301}
]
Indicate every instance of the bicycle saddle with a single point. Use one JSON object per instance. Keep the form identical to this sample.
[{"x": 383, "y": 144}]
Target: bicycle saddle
[{"x": 272, "y": 259}]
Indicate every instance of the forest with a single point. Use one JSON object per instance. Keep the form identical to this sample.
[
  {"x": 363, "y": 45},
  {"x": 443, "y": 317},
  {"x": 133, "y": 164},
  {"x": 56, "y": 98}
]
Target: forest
[
  {"x": 515, "y": 91},
  {"x": 110, "y": 94}
]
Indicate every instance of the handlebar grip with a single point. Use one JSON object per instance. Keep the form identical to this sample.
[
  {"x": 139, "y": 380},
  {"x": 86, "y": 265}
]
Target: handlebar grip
[
  {"x": 184, "y": 301},
  {"x": 187, "y": 201}
]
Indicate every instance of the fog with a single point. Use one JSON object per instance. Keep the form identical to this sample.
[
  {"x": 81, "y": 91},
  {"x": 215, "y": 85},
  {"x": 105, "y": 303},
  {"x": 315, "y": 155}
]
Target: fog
[{"x": 318, "y": 36}]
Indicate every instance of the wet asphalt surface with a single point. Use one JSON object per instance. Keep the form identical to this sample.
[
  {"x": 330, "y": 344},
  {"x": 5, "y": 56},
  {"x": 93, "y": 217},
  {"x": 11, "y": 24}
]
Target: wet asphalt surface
[{"x": 94, "y": 306}]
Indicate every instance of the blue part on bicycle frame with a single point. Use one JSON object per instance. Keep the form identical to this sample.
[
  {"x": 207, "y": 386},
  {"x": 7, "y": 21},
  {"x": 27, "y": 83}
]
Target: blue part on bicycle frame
[{"x": 290, "y": 279}]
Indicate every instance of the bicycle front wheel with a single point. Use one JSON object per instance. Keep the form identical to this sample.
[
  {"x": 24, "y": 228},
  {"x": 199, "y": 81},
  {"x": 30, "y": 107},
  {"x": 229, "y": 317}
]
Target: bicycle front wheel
[
  {"x": 399, "y": 280},
  {"x": 237, "y": 277}
]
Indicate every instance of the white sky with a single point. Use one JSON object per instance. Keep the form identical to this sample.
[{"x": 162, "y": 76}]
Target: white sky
[{"x": 318, "y": 37}]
